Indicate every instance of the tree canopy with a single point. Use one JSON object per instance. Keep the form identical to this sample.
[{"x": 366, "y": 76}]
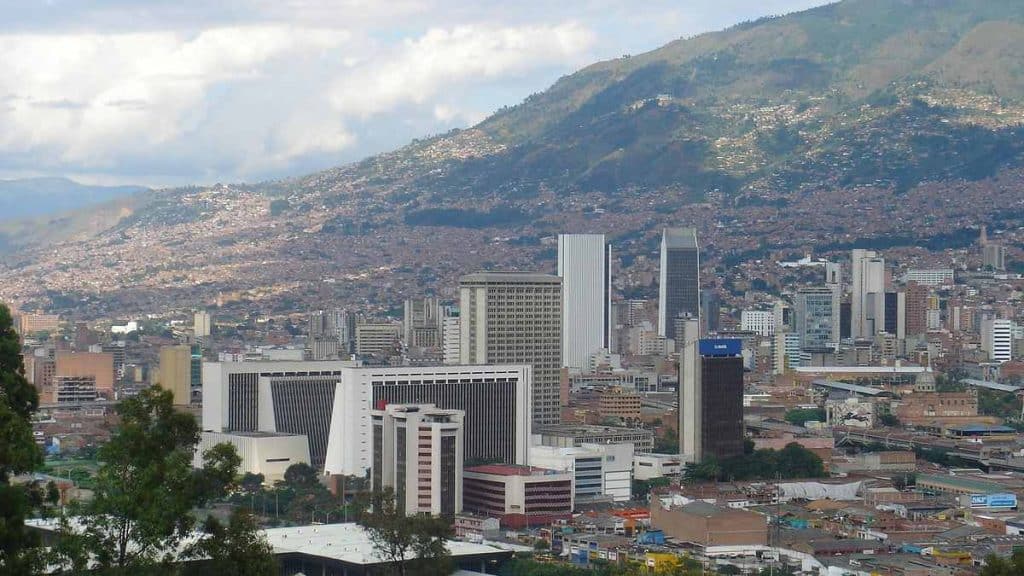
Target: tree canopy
[{"x": 793, "y": 461}]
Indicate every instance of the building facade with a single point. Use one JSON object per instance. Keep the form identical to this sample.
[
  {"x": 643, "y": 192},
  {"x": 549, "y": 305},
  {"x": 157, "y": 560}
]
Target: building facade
[
  {"x": 584, "y": 265},
  {"x": 513, "y": 318},
  {"x": 867, "y": 304},
  {"x": 679, "y": 285},
  {"x": 817, "y": 317},
  {"x": 711, "y": 400},
  {"x": 519, "y": 496}
]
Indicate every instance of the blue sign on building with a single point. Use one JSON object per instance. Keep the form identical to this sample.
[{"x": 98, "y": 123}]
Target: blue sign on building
[
  {"x": 993, "y": 500},
  {"x": 721, "y": 347}
]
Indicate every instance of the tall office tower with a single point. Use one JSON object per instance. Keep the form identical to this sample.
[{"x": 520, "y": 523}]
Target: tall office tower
[
  {"x": 845, "y": 320},
  {"x": 896, "y": 314},
  {"x": 917, "y": 309},
  {"x": 994, "y": 256},
  {"x": 817, "y": 317},
  {"x": 710, "y": 311},
  {"x": 711, "y": 400},
  {"x": 319, "y": 324},
  {"x": 343, "y": 325},
  {"x": 867, "y": 305},
  {"x": 201, "y": 324},
  {"x": 450, "y": 340},
  {"x": 687, "y": 333},
  {"x": 97, "y": 365},
  {"x": 679, "y": 285},
  {"x": 584, "y": 265},
  {"x": 833, "y": 273},
  {"x": 514, "y": 318},
  {"x": 418, "y": 450},
  {"x": 175, "y": 372},
  {"x": 997, "y": 339},
  {"x": 421, "y": 323}
]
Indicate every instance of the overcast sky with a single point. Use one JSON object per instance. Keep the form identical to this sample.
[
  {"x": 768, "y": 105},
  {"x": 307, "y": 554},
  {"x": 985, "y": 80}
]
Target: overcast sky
[{"x": 201, "y": 91}]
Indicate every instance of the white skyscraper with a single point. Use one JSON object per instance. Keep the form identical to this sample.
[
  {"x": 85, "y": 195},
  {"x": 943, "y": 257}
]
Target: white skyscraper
[
  {"x": 997, "y": 339},
  {"x": 584, "y": 265},
  {"x": 867, "y": 305}
]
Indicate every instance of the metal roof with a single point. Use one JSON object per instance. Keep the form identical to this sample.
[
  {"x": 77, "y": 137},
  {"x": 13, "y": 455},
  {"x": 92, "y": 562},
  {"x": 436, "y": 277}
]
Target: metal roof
[
  {"x": 856, "y": 389},
  {"x": 991, "y": 385}
]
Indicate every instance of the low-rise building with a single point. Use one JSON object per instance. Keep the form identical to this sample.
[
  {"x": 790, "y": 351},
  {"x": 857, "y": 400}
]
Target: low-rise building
[
  {"x": 709, "y": 525},
  {"x": 267, "y": 453},
  {"x": 648, "y": 466},
  {"x": 518, "y": 496},
  {"x": 600, "y": 471}
]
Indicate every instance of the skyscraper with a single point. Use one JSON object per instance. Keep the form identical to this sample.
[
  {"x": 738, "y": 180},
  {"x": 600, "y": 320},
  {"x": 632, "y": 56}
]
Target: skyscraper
[
  {"x": 867, "y": 305},
  {"x": 917, "y": 309},
  {"x": 711, "y": 400},
  {"x": 997, "y": 339},
  {"x": 421, "y": 323},
  {"x": 679, "y": 286},
  {"x": 710, "y": 310},
  {"x": 584, "y": 265},
  {"x": 817, "y": 317},
  {"x": 994, "y": 256},
  {"x": 201, "y": 324},
  {"x": 516, "y": 318},
  {"x": 176, "y": 372}
]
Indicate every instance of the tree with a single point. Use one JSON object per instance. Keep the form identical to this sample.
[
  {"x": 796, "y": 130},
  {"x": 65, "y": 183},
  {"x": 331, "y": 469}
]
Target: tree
[
  {"x": 19, "y": 549},
  {"x": 799, "y": 416},
  {"x": 146, "y": 488},
  {"x": 252, "y": 482},
  {"x": 300, "y": 475},
  {"x": 408, "y": 544},
  {"x": 237, "y": 549},
  {"x": 1000, "y": 566}
]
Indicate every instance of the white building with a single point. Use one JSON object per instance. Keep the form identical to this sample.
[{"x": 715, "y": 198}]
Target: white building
[
  {"x": 997, "y": 339},
  {"x": 584, "y": 265},
  {"x": 930, "y": 277},
  {"x": 867, "y": 305},
  {"x": 599, "y": 470},
  {"x": 330, "y": 402},
  {"x": 418, "y": 450},
  {"x": 759, "y": 321},
  {"x": 648, "y": 466},
  {"x": 201, "y": 324},
  {"x": 450, "y": 340},
  {"x": 266, "y": 453}
]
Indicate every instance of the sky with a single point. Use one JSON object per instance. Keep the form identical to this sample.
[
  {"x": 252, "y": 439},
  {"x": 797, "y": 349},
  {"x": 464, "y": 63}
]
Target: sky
[{"x": 165, "y": 93}]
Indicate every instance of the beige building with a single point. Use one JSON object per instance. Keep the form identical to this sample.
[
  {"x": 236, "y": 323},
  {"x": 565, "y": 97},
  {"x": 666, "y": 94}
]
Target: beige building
[
  {"x": 29, "y": 324},
  {"x": 176, "y": 372},
  {"x": 515, "y": 318},
  {"x": 709, "y": 525},
  {"x": 376, "y": 339},
  {"x": 72, "y": 366}
]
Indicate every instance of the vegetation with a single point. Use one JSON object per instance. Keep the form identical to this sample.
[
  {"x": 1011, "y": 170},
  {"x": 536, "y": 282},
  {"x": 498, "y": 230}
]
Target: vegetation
[
  {"x": 19, "y": 552},
  {"x": 396, "y": 537},
  {"x": 1000, "y": 566},
  {"x": 793, "y": 461},
  {"x": 799, "y": 416},
  {"x": 642, "y": 488},
  {"x": 525, "y": 566}
]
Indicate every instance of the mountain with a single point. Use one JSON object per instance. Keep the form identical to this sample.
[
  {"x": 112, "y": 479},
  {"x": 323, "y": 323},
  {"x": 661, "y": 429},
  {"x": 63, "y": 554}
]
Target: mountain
[
  {"x": 882, "y": 123},
  {"x": 33, "y": 197}
]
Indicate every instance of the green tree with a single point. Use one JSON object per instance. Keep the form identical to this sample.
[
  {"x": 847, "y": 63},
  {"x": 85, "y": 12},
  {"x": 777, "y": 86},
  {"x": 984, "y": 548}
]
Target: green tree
[
  {"x": 237, "y": 549},
  {"x": 300, "y": 475},
  {"x": 252, "y": 482},
  {"x": 1001, "y": 566},
  {"x": 19, "y": 549},
  {"x": 407, "y": 544},
  {"x": 799, "y": 416},
  {"x": 146, "y": 489}
]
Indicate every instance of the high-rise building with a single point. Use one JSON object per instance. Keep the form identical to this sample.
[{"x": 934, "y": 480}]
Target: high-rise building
[
  {"x": 97, "y": 365},
  {"x": 997, "y": 339},
  {"x": 516, "y": 318},
  {"x": 679, "y": 285},
  {"x": 376, "y": 339},
  {"x": 176, "y": 372},
  {"x": 867, "y": 306},
  {"x": 994, "y": 256},
  {"x": 711, "y": 400},
  {"x": 584, "y": 265},
  {"x": 710, "y": 311},
  {"x": 421, "y": 323},
  {"x": 845, "y": 320},
  {"x": 833, "y": 273},
  {"x": 930, "y": 277},
  {"x": 917, "y": 309},
  {"x": 761, "y": 322},
  {"x": 201, "y": 324},
  {"x": 896, "y": 314},
  {"x": 817, "y": 317},
  {"x": 418, "y": 450},
  {"x": 30, "y": 324},
  {"x": 450, "y": 340}
]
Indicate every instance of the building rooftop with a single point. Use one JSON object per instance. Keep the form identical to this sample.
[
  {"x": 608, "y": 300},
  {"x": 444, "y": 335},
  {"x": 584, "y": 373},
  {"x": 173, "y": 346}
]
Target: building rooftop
[
  {"x": 854, "y": 388},
  {"x": 703, "y": 509},
  {"x": 508, "y": 277},
  {"x": 511, "y": 470},
  {"x": 681, "y": 237},
  {"x": 991, "y": 385},
  {"x": 585, "y": 430},
  {"x": 980, "y": 486},
  {"x": 860, "y": 369}
]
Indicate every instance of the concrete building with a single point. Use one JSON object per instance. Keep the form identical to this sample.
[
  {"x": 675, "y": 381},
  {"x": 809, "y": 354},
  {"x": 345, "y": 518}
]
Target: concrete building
[
  {"x": 201, "y": 324},
  {"x": 620, "y": 404},
  {"x": 816, "y": 317},
  {"x": 96, "y": 365},
  {"x": 711, "y": 400},
  {"x": 450, "y": 338},
  {"x": 932, "y": 278},
  {"x": 584, "y": 265},
  {"x": 421, "y": 323},
  {"x": 377, "y": 339},
  {"x": 707, "y": 524},
  {"x": 761, "y": 322},
  {"x": 175, "y": 372},
  {"x": 330, "y": 403},
  {"x": 570, "y": 435},
  {"x": 994, "y": 257},
  {"x": 418, "y": 450},
  {"x": 29, "y": 324},
  {"x": 679, "y": 280},
  {"x": 600, "y": 471},
  {"x": 74, "y": 389},
  {"x": 916, "y": 309},
  {"x": 867, "y": 304},
  {"x": 513, "y": 318},
  {"x": 649, "y": 466},
  {"x": 997, "y": 339},
  {"x": 518, "y": 496},
  {"x": 267, "y": 453}
]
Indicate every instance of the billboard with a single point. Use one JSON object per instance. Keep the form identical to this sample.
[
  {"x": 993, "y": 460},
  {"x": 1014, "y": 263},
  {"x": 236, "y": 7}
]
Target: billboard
[
  {"x": 721, "y": 347},
  {"x": 993, "y": 500}
]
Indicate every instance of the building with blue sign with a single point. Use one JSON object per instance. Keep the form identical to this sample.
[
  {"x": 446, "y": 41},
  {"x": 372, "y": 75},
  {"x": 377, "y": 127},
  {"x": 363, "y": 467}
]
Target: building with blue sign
[{"x": 711, "y": 399}]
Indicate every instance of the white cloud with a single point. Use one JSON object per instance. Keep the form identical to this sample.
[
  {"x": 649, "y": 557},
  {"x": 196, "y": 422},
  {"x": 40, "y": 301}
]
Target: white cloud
[{"x": 440, "y": 59}]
